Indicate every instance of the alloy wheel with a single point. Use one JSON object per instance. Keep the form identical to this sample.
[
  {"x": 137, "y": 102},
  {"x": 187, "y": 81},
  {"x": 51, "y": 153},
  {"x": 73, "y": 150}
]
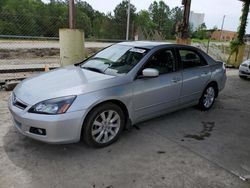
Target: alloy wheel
[
  {"x": 106, "y": 126},
  {"x": 209, "y": 97}
]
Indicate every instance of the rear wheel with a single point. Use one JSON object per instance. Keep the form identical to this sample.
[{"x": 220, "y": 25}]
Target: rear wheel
[
  {"x": 103, "y": 125},
  {"x": 208, "y": 97}
]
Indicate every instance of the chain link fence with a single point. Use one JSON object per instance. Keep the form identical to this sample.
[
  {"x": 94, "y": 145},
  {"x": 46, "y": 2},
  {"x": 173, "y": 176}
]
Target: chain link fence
[{"x": 29, "y": 42}]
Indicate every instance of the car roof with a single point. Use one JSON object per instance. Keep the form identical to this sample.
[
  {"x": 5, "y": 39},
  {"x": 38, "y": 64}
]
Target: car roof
[{"x": 149, "y": 44}]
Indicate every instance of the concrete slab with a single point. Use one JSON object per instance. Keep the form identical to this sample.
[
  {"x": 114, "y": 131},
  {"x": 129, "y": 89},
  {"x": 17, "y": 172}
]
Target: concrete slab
[
  {"x": 221, "y": 135},
  {"x": 26, "y": 68},
  {"x": 156, "y": 155}
]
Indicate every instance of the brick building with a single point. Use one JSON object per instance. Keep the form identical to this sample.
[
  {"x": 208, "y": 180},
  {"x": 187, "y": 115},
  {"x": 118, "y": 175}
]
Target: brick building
[{"x": 224, "y": 35}]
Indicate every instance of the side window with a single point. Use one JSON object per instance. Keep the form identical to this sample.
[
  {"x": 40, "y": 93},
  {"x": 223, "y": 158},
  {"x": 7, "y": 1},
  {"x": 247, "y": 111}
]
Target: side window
[
  {"x": 190, "y": 59},
  {"x": 163, "y": 61}
]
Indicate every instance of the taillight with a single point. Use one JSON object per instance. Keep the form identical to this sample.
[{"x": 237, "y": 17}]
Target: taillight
[{"x": 224, "y": 68}]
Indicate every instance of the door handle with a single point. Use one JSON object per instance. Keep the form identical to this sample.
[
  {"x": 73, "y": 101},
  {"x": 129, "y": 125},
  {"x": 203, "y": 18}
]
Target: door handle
[
  {"x": 205, "y": 73},
  {"x": 176, "y": 79}
]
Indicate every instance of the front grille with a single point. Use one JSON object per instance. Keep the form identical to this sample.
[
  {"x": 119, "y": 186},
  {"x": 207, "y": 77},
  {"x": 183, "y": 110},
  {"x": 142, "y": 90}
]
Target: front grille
[
  {"x": 243, "y": 72},
  {"x": 19, "y": 104}
]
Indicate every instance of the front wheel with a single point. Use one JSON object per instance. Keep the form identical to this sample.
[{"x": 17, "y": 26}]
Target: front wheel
[
  {"x": 103, "y": 125},
  {"x": 207, "y": 99}
]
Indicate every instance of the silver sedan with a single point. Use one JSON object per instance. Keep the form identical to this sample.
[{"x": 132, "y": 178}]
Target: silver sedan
[
  {"x": 244, "y": 69},
  {"x": 114, "y": 89}
]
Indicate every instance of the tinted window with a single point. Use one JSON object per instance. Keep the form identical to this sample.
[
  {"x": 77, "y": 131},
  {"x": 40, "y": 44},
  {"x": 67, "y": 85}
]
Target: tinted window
[
  {"x": 190, "y": 59},
  {"x": 163, "y": 61}
]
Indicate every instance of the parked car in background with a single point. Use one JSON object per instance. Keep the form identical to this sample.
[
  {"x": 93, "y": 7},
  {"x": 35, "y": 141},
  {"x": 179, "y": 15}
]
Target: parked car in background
[
  {"x": 244, "y": 69},
  {"x": 119, "y": 86}
]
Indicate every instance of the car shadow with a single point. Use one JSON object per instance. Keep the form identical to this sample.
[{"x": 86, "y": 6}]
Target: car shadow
[{"x": 26, "y": 152}]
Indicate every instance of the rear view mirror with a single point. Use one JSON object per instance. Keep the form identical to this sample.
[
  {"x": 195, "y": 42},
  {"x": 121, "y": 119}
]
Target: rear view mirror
[{"x": 150, "y": 72}]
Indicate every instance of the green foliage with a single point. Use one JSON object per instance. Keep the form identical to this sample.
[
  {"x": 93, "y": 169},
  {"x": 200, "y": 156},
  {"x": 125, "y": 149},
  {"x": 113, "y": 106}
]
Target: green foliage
[
  {"x": 159, "y": 18},
  {"x": 243, "y": 22},
  {"x": 120, "y": 19},
  {"x": 176, "y": 15},
  {"x": 36, "y": 18},
  {"x": 143, "y": 20},
  {"x": 160, "y": 15},
  {"x": 235, "y": 44},
  {"x": 201, "y": 32}
]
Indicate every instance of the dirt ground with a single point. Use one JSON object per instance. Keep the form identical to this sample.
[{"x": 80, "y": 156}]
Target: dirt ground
[
  {"x": 187, "y": 148},
  {"x": 34, "y": 56},
  {"x": 24, "y": 52}
]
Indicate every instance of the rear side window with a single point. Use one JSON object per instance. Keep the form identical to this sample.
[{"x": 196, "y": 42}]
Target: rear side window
[{"x": 190, "y": 59}]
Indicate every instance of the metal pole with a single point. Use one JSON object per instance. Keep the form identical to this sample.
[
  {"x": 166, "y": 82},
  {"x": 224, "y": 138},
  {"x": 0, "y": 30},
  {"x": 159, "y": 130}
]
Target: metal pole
[
  {"x": 208, "y": 45},
  {"x": 128, "y": 20},
  {"x": 72, "y": 24},
  {"x": 222, "y": 25}
]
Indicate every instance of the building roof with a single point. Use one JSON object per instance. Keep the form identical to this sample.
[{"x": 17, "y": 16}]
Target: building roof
[{"x": 226, "y": 31}]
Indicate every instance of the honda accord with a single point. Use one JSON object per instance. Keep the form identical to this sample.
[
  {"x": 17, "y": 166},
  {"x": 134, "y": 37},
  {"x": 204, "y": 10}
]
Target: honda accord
[{"x": 120, "y": 86}]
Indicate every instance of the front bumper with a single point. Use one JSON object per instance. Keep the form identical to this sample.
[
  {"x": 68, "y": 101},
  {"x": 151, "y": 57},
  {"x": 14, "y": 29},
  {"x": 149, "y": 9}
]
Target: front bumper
[
  {"x": 244, "y": 73},
  {"x": 63, "y": 128}
]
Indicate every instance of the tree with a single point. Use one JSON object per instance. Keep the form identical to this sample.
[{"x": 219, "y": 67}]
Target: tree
[
  {"x": 160, "y": 15},
  {"x": 243, "y": 21},
  {"x": 201, "y": 32},
  {"x": 176, "y": 15},
  {"x": 36, "y": 18},
  {"x": 144, "y": 21},
  {"x": 237, "y": 46},
  {"x": 120, "y": 19}
]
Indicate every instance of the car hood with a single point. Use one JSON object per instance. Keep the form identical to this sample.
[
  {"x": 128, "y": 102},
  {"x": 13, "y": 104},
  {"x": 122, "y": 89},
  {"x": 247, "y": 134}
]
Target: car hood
[
  {"x": 60, "y": 82},
  {"x": 246, "y": 62}
]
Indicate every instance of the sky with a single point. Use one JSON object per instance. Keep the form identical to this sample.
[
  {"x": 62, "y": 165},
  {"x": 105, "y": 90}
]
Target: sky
[{"x": 214, "y": 10}]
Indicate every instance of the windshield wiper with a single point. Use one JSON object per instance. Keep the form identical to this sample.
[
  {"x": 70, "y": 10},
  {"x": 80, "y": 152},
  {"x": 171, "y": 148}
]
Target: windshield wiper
[{"x": 93, "y": 69}]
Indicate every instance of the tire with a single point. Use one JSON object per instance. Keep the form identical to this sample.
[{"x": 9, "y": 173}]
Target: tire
[
  {"x": 103, "y": 125},
  {"x": 208, "y": 97}
]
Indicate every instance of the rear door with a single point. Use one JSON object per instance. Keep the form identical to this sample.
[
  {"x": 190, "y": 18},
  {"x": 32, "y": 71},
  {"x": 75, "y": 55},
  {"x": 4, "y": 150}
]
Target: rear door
[
  {"x": 196, "y": 74},
  {"x": 152, "y": 96}
]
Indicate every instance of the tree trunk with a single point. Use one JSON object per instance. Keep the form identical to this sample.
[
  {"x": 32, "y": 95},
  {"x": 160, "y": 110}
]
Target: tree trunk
[{"x": 243, "y": 22}]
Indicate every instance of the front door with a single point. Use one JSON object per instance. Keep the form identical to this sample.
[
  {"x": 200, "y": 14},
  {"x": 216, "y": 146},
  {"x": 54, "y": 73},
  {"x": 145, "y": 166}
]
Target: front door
[{"x": 153, "y": 96}]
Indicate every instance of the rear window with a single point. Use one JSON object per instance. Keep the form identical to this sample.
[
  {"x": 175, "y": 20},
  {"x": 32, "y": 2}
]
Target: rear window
[{"x": 190, "y": 59}]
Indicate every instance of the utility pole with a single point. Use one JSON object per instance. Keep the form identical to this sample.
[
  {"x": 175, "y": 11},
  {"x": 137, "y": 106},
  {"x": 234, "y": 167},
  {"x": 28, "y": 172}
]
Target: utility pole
[
  {"x": 128, "y": 20},
  {"x": 222, "y": 26},
  {"x": 187, "y": 6},
  {"x": 72, "y": 23}
]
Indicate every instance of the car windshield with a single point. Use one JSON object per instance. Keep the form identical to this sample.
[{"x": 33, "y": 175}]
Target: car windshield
[{"x": 115, "y": 60}]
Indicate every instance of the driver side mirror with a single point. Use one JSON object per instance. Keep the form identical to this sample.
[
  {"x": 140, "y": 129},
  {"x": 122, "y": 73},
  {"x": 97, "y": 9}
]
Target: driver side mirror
[{"x": 150, "y": 72}]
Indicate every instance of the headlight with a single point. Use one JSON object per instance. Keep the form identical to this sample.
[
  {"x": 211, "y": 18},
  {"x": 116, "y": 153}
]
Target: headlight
[
  {"x": 244, "y": 65},
  {"x": 53, "y": 106}
]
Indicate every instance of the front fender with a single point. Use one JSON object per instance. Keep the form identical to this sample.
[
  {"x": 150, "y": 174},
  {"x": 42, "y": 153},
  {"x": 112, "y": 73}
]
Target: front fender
[{"x": 86, "y": 102}]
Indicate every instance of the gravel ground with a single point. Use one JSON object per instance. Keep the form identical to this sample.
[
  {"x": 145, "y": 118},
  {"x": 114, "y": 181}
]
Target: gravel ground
[{"x": 163, "y": 152}]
